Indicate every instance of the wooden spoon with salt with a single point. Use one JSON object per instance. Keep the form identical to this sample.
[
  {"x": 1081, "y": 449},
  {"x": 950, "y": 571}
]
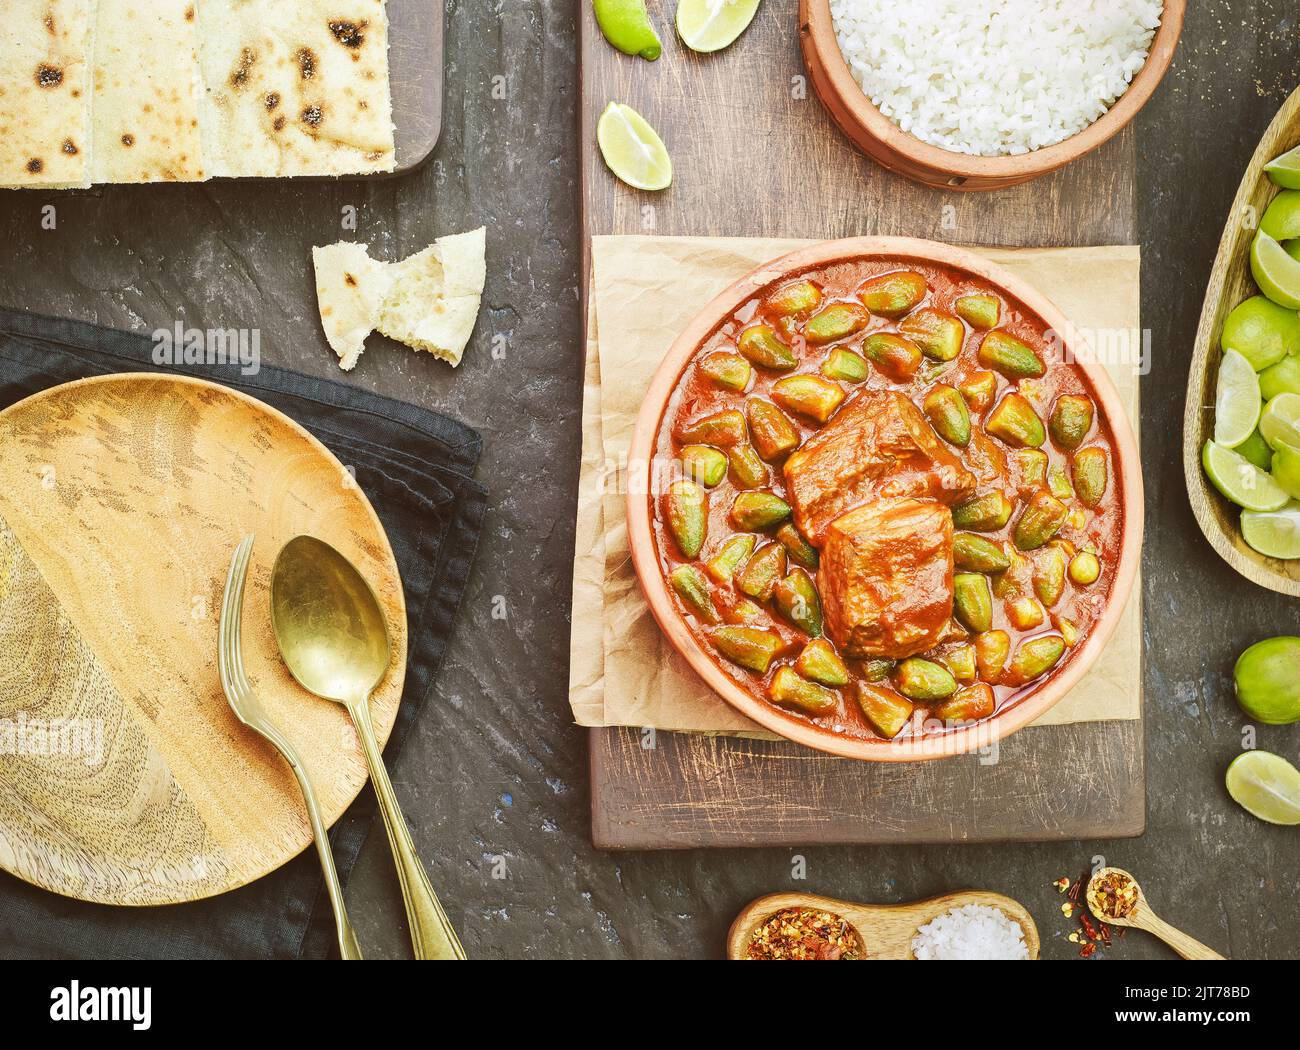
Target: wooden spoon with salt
[{"x": 1115, "y": 897}]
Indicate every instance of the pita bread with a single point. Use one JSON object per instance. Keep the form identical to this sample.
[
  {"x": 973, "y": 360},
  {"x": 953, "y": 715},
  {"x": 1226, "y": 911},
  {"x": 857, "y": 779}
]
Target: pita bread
[
  {"x": 350, "y": 292},
  {"x": 45, "y": 51},
  {"x": 146, "y": 113}
]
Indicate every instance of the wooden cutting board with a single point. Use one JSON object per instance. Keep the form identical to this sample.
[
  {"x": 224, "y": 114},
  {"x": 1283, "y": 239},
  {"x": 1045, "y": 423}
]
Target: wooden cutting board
[
  {"x": 415, "y": 68},
  {"x": 124, "y": 776},
  {"x": 754, "y": 154}
]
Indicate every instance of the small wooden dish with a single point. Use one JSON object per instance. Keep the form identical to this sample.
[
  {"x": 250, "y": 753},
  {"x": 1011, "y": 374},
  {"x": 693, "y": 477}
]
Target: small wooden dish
[
  {"x": 1231, "y": 284},
  {"x": 886, "y": 929},
  {"x": 892, "y": 147}
]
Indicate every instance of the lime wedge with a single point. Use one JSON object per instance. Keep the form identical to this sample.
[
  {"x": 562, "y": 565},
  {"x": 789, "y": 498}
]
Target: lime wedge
[
  {"x": 1281, "y": 220},
  {"x": 1237, "y": 404},
  {"x": 1276, "y": 273},
  {"x": 1262, "y": 332},
  {"x": 711, "y": 25},
  {"x": 1266, "y": 786},
  {"x": 1286, "y": 470},
  {"x": 1285, "y": 170},
  {"x": 1280, "y": 421},
  {"x": 1240, "y": 480},
  {"x": 1275, "y": 533},
  {"x": 632, "y": 148},
  {"x": 627, "y": 26}
]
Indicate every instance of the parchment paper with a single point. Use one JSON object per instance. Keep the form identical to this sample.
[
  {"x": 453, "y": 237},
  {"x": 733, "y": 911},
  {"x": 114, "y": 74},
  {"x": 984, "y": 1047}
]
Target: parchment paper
[{"x": 643, "y": 292}]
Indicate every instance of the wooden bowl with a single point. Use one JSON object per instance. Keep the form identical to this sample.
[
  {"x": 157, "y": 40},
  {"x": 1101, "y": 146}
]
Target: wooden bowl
[
  {"x": 1231, "y": 284},
  {"x": 892, "y": 147},
  {"x": 886, "y": 929},
  {"x": 641, "y": 510}
]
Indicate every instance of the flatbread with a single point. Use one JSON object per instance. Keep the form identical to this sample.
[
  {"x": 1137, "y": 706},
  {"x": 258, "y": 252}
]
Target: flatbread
[
  {"x": 434, "y": 301},
  {"x": 45, "y": 49},
  {"x": 350, "y": 292},
  {"x": 146, "y": 109},
  {"x": 296, "y": 87}
]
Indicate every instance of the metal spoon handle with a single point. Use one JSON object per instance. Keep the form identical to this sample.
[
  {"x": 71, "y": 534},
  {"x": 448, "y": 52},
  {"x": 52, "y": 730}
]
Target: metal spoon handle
[{"x": 432, "y": 935}]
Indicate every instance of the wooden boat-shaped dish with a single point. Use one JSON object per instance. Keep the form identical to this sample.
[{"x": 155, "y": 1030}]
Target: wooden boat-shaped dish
[{"x": 1231, "y": 284}]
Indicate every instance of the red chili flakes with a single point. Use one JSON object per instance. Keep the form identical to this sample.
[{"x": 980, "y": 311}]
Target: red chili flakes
[{"x": 805, "y": 934}]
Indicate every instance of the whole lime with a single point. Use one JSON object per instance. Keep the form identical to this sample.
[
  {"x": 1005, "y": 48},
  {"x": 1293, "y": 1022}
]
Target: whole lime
[
  {"x": 1262, "y": 332},
  {"x": 1268, "y": 681}
]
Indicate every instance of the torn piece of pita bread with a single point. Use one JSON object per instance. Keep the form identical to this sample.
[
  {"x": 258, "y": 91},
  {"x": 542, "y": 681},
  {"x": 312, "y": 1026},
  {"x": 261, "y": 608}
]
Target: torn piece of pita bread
[
  {"x": 296, "y": 87},
  {"x": 350, "y": 292},
  {"x": 147, "y": 92},
  {"x": 45, "y": 52},
  {"x": 434, "y": 301}
]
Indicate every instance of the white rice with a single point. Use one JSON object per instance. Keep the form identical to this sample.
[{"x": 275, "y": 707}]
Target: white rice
[
  {"x": 973, "y": 931},
  {"x": 994, "y": 77}
]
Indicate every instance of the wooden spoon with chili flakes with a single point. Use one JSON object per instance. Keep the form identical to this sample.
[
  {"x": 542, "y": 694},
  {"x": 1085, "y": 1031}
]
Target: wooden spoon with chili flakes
[
  {"x": 883, "y": 931},
  {"x": 1115, "y": 897}
]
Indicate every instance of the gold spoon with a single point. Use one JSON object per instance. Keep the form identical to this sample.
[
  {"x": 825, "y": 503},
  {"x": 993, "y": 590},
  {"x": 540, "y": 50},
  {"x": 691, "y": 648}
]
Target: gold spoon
[
  {"x": 333, "y": 637},
  {"x": 1139, "y": 915}
]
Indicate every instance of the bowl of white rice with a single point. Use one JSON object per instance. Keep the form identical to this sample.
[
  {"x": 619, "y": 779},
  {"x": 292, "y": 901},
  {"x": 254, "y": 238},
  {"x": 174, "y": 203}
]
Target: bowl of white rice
[{"x": 980, "y": 94}]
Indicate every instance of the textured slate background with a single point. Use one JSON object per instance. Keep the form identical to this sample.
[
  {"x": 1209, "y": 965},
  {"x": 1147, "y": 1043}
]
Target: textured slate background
[{"x": 494, "y": 778}]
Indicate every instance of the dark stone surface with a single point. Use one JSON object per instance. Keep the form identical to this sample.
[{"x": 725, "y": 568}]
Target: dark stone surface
[{"x": 495, "y": 769}]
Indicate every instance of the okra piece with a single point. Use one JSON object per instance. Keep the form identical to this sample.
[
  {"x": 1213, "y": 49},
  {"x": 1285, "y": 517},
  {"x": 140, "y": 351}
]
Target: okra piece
[
  {"x": 1004, "y": 353},
  {"x": 763, "y": 572},
  {"x": 938, "y": 333},
  {"x": 1014, "y": 580},
  {"x": 1069, "y": 632},
  {"x": 843, "y": 364},
  {"x": 1058, "y": 484},
  {"x": 972, "y": 553},
  {"x": 1091, "y": 474},
  {"x": 755, "y": 511},
  {"x": 819, "y": 662},
  {"x": 722, "y": 429},
  {"x": 972, "y": 602},
  {"x": 979, "y": 389},
  {"x": 1016, "y": 423},
  {"x": 968, "y": 705},
  {"x": 744, "y": 611},
  {"x": 924, "y": 680},
  {"x": 771, "y": 431},
  {"x": 979, "y": 311},
  {"x": 1050, "y": 565},
  {"x": 1042, "y": 519},
  {"x": 761, "y": 345},
  {"x": 704, "y": 464},
  {"x": 751, "y": 647},
  {"x": 1085, "y": 568},
  {"x": 1036, "y": 657},
  {"x": 986, "y": 513},
  {"x": 836, "y": 321},
  {"x": 796, "y": 599},
  {"x": 961, "y": 662},
  {"x": 946, "y": 410},
  {"x": 1070, "y": 421},
  {"x": 1031, "y": 468},
  {"x": 796, "y": 298},
  {"x": 686, "y": 510},
  {"x": 729, "y": 371},
  {"x": 1025, "y": 613},
  {"x": 877, "y": 670},
  {"x": 991, "y": 651},
  {"x": 896, "y": 357},
  {"x": 887, "y": 712},
  {"x": 734, "y": 553},
  {"x": 747, "y": 468},
  {"x": 789, "y": 690},
  {"x": 691, "y": 586},
  {"x": 808, "y": 395},
  {"x": 798, "y": 549},
  {"x": 893, "y": 294}
]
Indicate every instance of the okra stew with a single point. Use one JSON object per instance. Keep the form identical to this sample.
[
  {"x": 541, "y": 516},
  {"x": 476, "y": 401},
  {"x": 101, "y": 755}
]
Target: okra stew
[{"x": 884, "y": 500}]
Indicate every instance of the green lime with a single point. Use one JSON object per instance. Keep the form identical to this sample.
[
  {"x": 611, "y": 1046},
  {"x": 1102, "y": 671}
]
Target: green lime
[
  {"x": 1266, "y": 786},
  {"x": 1237, "y": 404},
  {"x": 1267, "y": 676},
  {"x": 1281, "y": 219},
  {"x": 1280, "y": 420},
  {"x": 1285, "y": 170},
  {"x": 1240, "y": 480},
  {"x": 1281, "y": 378},
  {"x": 627, "y": 26},
  {"x": 632, "y": 148},
  {"x": 1276, "y": 273},
  {"x": 710, "y": 25},
  {"x": 1256, "y": 450},
  {"x": 1292, "y": 248},
  {"x": 1262, "y": 332},
  {"x": 1275, "y": 534},
  {"x": 1286, "y": 470}
]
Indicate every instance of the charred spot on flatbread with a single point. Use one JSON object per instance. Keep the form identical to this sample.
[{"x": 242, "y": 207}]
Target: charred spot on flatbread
[
  {"x": 279, "y": 122},
  {"x": 189, "y": 13},
  {"x": 312, "y": 116},
  {"x": 50, "y": 26},
  {"x": 70, "y": 148},
  {"x": 36, "y": 165},
  {"x": 239, "y": 77},
  {"x": 272, "y": 100},
  {"x": 49, "y": 76},
  {"x": 306, "y": 59},
  {"x": 128, "y": 140},
  {"x": 349, "y": 34},
  {"x": 350, "y": 280}
]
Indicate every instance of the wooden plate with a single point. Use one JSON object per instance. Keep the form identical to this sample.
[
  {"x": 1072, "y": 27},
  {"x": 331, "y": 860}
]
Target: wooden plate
[
  {"x": 887, "y": 929},
  {"x": 1231, "y": 284},
  {"x": 121, "y": 500}
]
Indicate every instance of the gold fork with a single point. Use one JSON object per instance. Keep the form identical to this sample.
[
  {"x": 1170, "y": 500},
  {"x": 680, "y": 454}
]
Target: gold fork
[{"x": 248, "y": 709}]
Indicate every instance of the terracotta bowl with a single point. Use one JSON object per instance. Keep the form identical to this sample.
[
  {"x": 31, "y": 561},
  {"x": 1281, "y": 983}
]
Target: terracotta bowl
[
  {"x": 887, "y": 144},
  {"x": 641, "y": 499}
]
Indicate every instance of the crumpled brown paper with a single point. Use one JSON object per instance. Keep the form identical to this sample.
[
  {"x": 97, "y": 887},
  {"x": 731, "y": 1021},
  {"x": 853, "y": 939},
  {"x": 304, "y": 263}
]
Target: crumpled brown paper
[{"x": 643, "y": 292}]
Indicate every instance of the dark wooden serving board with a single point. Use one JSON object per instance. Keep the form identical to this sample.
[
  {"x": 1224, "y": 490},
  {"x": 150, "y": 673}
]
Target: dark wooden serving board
[{"x": 754, "y": 154}]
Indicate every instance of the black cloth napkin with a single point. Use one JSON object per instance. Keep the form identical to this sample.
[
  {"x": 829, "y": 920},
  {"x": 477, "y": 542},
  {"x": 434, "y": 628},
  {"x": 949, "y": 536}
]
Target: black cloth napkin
[{"x": 417, "y": 469}]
